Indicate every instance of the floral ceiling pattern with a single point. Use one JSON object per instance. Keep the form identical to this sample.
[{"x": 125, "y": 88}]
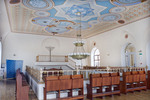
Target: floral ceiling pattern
[{"x": 60, "y": 18}]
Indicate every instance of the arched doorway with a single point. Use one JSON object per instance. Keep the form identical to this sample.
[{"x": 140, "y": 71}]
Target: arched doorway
[
  {"x": 95, "y": 57},
  {"x": 128, "y": 55}
]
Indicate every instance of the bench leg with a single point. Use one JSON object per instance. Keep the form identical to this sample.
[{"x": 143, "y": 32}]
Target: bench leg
[{"x": 45, "y": 94}]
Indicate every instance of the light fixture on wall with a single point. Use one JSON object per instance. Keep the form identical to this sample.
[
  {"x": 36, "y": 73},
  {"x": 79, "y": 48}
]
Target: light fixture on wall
[{"x": 79, "y": 52}]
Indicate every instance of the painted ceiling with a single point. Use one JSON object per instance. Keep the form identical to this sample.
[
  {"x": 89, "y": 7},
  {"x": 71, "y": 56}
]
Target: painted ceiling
[{"x": 60, "y": 18}]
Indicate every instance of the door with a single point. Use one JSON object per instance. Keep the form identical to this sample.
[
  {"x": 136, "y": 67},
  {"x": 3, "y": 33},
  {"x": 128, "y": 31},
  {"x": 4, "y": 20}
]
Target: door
[
  {"x": 131, "y": 59},
  {"x": 12, "y": 66}
]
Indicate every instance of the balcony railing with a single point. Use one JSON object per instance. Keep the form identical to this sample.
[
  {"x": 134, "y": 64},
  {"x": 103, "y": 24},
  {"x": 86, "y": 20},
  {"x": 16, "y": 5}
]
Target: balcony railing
[
  {"x": 39, "y": 74},
  {"x": 53, "y": 58}
]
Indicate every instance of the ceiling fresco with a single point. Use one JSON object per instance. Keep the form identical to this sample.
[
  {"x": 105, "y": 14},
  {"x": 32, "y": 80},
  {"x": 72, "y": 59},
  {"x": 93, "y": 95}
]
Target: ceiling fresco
[{"x": 60, "y": 18}]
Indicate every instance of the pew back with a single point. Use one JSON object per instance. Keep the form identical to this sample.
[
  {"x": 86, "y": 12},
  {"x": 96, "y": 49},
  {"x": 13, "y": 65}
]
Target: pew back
[
  {"x": 65, "y": 82},
  {"x": 106, "y": 79},
  {"x": 77, "y": 81},
  {"x": 52, "y": 83},
  {"x": 115, "y": 78},
  {"x": 95, "y": 80}
]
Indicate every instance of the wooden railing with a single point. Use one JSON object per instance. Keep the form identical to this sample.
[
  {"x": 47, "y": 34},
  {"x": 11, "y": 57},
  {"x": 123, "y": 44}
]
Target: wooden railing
[
  {"x": 53, "y": 58},
  {"x": 38, "y": 73}
]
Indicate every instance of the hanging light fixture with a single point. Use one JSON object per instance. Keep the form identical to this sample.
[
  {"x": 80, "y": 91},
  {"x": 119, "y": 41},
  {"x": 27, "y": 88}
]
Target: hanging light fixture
[{"x": 79, "y": 52}]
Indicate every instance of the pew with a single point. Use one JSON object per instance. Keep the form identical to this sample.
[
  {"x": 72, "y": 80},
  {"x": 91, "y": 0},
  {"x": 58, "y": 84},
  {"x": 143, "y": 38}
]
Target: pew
[
  {"x": 66, "y": 86},
  {"x": 103, "y": 84},
  {"x": 22, "y": 87},
  {"x": 115, "y": 79},
  {"x": 65, "y": 83},
  {"x": 52, "y": 84},
  {"x": 77, "y": 84},
  {"x": 148, "y": 79},
  {"x": 143, "y": 81},
  {"x": 106, "y": 83},
  {"x": 127, "y": 83},
  {"x": 133, "y": 81},
  {"x": 95, "y": 83}
]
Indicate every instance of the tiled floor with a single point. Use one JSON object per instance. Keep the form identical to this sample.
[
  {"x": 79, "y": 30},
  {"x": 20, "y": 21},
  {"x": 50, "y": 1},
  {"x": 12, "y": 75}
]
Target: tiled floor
[{"x": 7, "y": 92}]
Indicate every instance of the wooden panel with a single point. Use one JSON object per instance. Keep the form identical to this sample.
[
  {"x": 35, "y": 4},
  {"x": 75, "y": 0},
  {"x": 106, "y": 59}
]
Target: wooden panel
[
  {"x": 65, "y": 84},
  {"x": 141, "y": 72},
  {"x": 136, "y": 78},
  {"x": 95, "y": 75},
  {"x": 143, "y": 77},
  {"x": 114, "y": 74},
  {"x": 148, "y": 79},
  {"x": 129, "y": 79},
  {"x": 77, "y": 83},
  {"x": 106, "y": 81},
  {"x": 96, "y": 82},
  {"x": 115, "y": 80},
  {"x": 53, "y": 85},
  {"x": 64, "y": 77},
  {"x": 77, "y": 76},
  {"x": 127, "y": 73},
  {"x": 52, "y": 78},
  {"x": 105, "y": 75},
  {"x": 134, "y": 72}
]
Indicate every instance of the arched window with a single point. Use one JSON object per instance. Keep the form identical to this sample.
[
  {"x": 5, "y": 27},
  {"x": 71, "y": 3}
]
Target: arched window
[{"x": 95, "y": 57}]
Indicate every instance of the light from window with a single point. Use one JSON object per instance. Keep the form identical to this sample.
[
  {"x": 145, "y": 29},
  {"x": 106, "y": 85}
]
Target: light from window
[{"x": 95, "y": 57}]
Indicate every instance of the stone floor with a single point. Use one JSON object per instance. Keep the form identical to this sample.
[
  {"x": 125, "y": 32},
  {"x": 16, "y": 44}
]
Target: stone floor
[{"x": 9, "y": 85}]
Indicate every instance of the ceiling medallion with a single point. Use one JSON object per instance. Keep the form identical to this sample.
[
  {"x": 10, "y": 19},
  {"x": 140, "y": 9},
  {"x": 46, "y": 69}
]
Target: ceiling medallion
[
  {"x": 42, "y": 13},
  {"x": 38, "y": 4},
  {"x": 110, "y": 17},
  {"x": 127, "y": 2}
]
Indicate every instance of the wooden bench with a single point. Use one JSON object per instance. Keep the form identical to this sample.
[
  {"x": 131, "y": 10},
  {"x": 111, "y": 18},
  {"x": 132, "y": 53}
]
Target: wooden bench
[
  {"x": 115, "y": 79},
  {"x": 77, "y": 85},
  {"x": 52, "y": 84},
  {"x": 100, "y": 82},
  {"x": 67, "y": 84},
  {"x": 148, "y": 79},
  {"x": 133, "y": 81},
  {"x": 143, "y": 81},
  {"x": 22, "y": 87},
  {"x": 95, "y": 83}
]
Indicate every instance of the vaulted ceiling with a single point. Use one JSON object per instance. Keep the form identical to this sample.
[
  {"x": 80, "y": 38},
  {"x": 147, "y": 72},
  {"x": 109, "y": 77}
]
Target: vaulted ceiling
[{"x": 60, "y": 18}]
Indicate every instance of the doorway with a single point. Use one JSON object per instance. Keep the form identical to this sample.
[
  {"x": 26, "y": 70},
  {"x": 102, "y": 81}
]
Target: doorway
[{"x": 128, "y": 55}]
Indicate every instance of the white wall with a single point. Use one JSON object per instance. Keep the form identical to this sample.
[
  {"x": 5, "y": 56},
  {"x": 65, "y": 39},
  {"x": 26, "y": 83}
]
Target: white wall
[
  {"x": 148, "y": 55},
  {"x": 0, "y": 54},
  {"x": 27, "y": 47},
  {"x": 110, "y": 43}
]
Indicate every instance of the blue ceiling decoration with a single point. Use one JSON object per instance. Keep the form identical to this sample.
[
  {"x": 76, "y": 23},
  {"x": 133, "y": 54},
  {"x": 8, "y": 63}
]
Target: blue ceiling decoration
[
  {"x": 85, "y": 10},
  {"x": 126, "y": 2},
  {"x": 38, "y": 4},
  {"x": 42, "y": 13},
  {"x": 60, "y": 16},
  {"x": 44, "y": 21},
  {"x": 110, "y": 17},
  {"x": 105, "y": 3},
  {"x": 88, "y": 9},
  {"x": 56, "y": 30},
  {"x": 65, "y": 23},
  {"x": 82, "y": 26},
  {"x": 117, "y": 9}
]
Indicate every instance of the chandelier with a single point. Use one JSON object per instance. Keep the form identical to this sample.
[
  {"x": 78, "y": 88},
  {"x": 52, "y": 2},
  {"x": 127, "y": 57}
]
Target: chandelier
[{"x": 79, "y": 52}]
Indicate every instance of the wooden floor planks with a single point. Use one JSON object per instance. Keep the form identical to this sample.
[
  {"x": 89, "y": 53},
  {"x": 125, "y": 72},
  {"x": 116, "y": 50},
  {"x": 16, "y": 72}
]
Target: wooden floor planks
[{"x": 7, "y": 92}]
